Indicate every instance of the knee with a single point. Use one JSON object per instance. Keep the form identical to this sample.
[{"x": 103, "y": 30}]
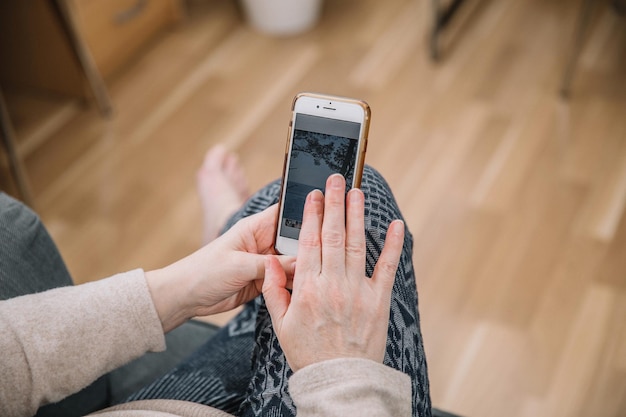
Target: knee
[
  {"x": 376, "y": 189},
  {"x": 18, "y": 223},
  {"x": 31, "y": 261},
  {"x": 380, "y": 204}
]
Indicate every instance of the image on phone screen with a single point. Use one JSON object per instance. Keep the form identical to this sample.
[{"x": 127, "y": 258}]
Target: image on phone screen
[{"x": 320, "y": 148}]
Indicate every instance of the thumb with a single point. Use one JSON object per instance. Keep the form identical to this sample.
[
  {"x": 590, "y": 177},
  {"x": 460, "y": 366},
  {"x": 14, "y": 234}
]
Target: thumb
[
  {"x": 277, "y": 298},
  {"x": 387, "y": 265}
]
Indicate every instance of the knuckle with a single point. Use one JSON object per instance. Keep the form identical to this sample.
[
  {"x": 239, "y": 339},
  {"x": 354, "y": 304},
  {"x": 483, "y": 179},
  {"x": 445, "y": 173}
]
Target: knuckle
[
  {"x": 335, "y": 201},
  {"x": 309, "y": 240},
  {"x": 387, "y": 268},
  {"x": 355, "y": 250},
  {"x": 333, "y": 238},
  {"x": 307, "y": 298}
]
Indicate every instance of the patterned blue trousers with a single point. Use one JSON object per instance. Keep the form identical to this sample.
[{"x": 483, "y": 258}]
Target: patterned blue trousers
[{"x": 242, "y": 370}]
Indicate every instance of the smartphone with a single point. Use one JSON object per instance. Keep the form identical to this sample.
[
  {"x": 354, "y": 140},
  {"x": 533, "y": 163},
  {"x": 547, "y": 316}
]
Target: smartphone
[{"x": 327, "y": 135}]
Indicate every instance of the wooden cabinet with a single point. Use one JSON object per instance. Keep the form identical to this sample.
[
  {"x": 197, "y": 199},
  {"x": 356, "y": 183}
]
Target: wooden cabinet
[
  {"x": 42, "y": 40},
  {"x": 66, "y": 47},
  {"x": 114, "y": 30}
]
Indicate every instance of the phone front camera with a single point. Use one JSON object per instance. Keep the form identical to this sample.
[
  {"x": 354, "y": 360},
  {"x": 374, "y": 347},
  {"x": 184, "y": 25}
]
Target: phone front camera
[{"x": 318, "y": 107}]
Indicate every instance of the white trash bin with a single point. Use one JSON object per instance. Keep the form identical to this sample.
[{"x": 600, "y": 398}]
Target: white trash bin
[{"x": 282, "y": 17}]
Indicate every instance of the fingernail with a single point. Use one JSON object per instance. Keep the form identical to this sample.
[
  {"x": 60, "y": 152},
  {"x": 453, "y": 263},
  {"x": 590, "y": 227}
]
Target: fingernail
[
  {"x": 316, "y": 196},
  {"x": 355, "y": 195},
  {"x": 398, "y": 226},
  {"x": 336, "y": 181}
]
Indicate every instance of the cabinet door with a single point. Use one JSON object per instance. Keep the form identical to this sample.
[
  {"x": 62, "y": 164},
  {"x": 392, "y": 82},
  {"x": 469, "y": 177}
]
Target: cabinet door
[{"x": 115, "y": 29}]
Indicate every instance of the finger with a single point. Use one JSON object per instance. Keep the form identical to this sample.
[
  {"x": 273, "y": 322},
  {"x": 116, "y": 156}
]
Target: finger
[
  {"x": 309, "y": 243},
  {"x": 288, "y": 263},
  {"x": 252, "y": 266},
  {"x": 387, "y": 265},
  {"x": 277, "y": 298},
  {"x": 334, "y": 226},
  {"x": 263, "y": 226},
  {"x": 355, "y": 233}
]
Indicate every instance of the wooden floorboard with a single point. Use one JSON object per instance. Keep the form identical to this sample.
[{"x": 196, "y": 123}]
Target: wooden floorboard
[{"x": 516, "y": 198}]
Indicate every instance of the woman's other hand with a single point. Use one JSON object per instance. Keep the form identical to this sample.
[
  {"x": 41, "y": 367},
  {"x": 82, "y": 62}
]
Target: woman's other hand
[
  {"x": 334, "y": 311},
  {"x": 222, "y": 275}
]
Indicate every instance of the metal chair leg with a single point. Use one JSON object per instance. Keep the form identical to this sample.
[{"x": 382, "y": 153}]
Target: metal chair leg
[
  {"x": 441, "y": 18},
  {"x": 582, "y": 26},
  {"x": 434, "y": 36}
]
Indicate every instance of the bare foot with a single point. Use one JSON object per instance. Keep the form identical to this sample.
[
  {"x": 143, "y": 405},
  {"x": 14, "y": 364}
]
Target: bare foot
[{"x": 222, "y": 187}]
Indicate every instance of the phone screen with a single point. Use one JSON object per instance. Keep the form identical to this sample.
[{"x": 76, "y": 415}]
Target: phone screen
[{"x": 320, "y": 147}]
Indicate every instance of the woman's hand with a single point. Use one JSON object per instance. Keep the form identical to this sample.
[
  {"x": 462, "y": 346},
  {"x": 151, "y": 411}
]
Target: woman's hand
[
  {"x": 220, "y": 276},
  {"x": 334, "y": 311}
]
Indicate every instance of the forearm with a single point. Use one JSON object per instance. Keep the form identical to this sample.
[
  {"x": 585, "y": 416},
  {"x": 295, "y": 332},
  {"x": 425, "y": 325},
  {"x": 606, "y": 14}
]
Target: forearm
[{"x": 57, "y": 342}]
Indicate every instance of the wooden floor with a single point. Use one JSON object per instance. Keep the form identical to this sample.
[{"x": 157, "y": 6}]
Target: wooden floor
[{"x": 516, "y": 198}]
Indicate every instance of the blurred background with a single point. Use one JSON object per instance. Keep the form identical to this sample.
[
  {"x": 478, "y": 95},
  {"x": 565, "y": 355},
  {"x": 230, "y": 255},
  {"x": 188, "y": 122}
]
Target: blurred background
[{"x": 500, "y": 126}]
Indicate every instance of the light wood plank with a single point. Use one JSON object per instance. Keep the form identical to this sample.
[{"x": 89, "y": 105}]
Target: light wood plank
[{"x": 515, "y": 198}]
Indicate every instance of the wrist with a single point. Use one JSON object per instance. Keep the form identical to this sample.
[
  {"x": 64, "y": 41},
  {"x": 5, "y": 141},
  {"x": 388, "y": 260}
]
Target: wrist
[{"x": 171, "y": 297}]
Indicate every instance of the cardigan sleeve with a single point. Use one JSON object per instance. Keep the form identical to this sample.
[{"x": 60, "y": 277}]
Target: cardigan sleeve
[
  {"x": 350, "y": 387},
  {"x": 57, "y": 342}
]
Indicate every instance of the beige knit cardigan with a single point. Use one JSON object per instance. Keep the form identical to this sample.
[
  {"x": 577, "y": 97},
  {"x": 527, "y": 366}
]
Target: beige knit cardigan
[{"x": 54, "y": 343}]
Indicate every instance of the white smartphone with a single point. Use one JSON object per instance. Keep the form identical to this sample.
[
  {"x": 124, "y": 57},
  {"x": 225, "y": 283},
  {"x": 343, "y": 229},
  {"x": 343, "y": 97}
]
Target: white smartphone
[{"x": 327, "y": 135}]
